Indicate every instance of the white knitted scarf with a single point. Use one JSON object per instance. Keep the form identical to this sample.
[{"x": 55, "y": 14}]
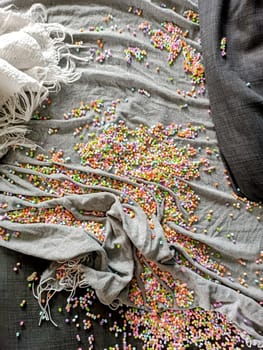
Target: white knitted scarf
[{"x": 30, "y": 53}]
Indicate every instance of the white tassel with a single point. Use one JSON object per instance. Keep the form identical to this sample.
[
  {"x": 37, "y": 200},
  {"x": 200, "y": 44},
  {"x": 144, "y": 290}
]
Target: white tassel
[
  {"x": 14, "y": 115},
  {"x": 70, "y": 278},
  {"x": 45, "y": 286}
]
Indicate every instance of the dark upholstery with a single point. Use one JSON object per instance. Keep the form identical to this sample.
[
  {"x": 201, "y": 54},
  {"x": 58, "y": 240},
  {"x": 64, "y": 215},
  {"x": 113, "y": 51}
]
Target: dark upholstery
[{"x": 235, "y": 86}]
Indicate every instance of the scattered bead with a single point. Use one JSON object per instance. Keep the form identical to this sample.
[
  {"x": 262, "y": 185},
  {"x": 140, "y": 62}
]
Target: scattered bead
[
  {"x": 223, "y": 44},
  {"x": 135, "y": 10},
  {"x": 23, "y": 303}
]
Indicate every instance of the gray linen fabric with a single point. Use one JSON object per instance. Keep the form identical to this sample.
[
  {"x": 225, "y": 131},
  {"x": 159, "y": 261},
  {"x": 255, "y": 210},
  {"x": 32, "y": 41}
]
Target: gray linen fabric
[{"x": 107, "y": 269}]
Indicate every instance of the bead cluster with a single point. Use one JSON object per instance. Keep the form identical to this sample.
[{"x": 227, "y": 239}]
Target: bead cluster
[
  {"x": 134, "y": 52},
  {"x": 172, "y": 39},
  {"x": 192, "y": 16},
  {"x": 135, "y": 10}
]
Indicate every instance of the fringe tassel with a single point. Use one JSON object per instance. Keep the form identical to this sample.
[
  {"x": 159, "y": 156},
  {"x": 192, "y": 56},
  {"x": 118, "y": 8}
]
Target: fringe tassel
[
  {"x": 14, "y": 115},
  {"x": 46, "y": 286},
  {"x": 20, "y": 107},
  {"x": 68, "y": 276}
]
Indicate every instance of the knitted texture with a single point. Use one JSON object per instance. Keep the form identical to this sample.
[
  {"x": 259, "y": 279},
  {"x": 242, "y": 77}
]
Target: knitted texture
[{"x": 30, "y": 53}]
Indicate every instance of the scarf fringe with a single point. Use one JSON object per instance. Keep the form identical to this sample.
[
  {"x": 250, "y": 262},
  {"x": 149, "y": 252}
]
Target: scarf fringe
[
  {"x": 69, "y": 277},
  {"x": 60, "y": 69},
  {"x": 15, "y": 114},
  {"x": 46, "y": 286}
]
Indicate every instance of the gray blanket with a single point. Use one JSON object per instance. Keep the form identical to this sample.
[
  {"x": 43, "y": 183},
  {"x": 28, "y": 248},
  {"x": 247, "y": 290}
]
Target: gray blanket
[{"x": 128, "y": 176}]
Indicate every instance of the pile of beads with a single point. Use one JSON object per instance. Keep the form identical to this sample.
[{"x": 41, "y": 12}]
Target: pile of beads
[
  {"x": 172, "y": 39},
  {"x": 134, "y": 52},
  {"x": 192, "y": 16}
]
